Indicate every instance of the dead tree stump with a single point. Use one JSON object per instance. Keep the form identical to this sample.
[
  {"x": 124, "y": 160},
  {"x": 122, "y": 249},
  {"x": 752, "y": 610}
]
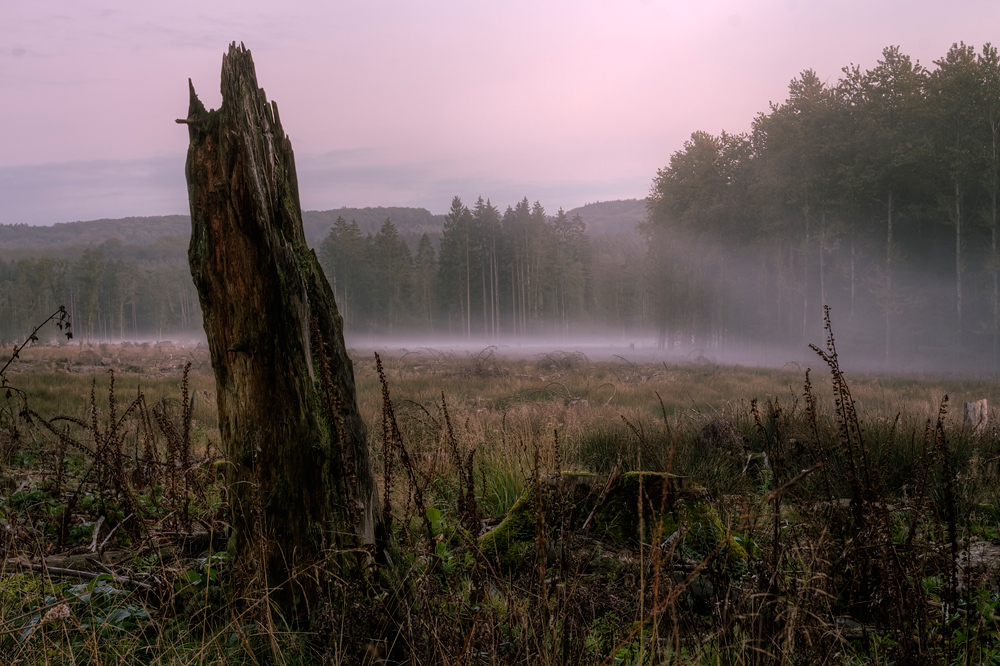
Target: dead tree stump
[
  {"x": 301, "y": 489},
  {"x": 977, "y": 416}
]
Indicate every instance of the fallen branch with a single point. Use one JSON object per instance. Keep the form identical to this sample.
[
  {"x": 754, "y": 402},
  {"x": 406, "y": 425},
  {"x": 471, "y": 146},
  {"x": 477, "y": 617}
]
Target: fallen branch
[{"x": 59, "y": 572}]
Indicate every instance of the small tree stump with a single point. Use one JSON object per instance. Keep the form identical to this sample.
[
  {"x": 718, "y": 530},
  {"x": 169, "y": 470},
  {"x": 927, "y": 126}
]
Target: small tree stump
[
  {"x": 609, "y": 508},
  {"x": 976, "y": 416}
]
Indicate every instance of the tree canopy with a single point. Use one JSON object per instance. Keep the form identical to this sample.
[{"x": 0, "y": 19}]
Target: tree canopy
[{"x": 874, "y": 195}]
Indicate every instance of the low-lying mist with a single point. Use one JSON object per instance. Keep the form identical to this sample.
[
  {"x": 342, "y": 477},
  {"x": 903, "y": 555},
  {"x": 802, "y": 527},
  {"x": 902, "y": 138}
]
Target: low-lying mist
[
  {"x": 644, "y": 348},
  {"x": 636, "y": 347}
]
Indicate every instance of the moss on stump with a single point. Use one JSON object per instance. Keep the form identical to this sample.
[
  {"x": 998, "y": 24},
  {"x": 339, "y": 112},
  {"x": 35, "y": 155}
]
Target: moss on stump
[{"x": 583, "y": 502}]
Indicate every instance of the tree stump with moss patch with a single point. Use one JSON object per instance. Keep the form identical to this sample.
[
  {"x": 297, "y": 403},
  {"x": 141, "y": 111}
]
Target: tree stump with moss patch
[{"x": 610, "y": 510}]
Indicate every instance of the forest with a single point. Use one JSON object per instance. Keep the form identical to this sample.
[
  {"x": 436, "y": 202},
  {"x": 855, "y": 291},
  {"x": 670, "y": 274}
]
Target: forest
[
  {"x": 112, "y": 291},
  {"x": 875, "y": 194},
  {"x": 489, "y": 275},
  {"x": 409, "y": 273}
]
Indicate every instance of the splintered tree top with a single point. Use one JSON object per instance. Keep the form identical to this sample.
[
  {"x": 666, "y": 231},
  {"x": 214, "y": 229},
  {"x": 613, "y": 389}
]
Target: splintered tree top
[{"x": 253, "y": 128}]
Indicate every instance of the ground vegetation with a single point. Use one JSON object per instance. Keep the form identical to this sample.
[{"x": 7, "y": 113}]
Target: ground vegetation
[{"x": 828, "y": 519}]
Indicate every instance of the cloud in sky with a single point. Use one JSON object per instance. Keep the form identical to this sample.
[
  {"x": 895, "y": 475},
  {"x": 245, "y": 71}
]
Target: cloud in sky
[
  {"x": 85, "y": 190},
  {"x": 396, "y": 103}
]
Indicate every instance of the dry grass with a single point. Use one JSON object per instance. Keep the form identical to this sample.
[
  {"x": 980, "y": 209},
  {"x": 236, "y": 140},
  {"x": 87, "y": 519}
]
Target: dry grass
[{"x": 856, "y": 546}]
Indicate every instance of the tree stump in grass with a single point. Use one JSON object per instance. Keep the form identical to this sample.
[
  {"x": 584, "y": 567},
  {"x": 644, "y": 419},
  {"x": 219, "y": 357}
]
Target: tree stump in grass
[
  {"x": 976, "y": 416},
  {"x": 301, "y": 489},
  {"x": 608, "y": 509}
]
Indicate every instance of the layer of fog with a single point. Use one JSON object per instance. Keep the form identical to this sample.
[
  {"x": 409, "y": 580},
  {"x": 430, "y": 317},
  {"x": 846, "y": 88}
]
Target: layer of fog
[
  {"x": 633, "y": 348},
  {"x": 920, "y": 345},
  {"x": 638, "y": 348}
]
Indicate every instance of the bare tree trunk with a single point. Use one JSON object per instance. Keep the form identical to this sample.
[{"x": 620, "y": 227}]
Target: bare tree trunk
[
  {"x": 993, "y": 271},
  {"x": 486, "y": 318},
  {"x": 994, "y": 185},
  {"x": 468, "y": 290},
  {"x": 853, "y": 282},
  {"x": 822, "y": 263},
  {"x": 513, "y": 299},
  {"x": 888, "y": 281},
  {"x": 494, "y": 281},
  {"x": 805, "y": 284},
  {"x": 958, "y": 264},
  {"x": 300, "y": 482}
]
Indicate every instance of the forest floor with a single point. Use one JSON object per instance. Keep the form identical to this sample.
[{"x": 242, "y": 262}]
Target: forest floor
[{"x": 844, "y": 521}]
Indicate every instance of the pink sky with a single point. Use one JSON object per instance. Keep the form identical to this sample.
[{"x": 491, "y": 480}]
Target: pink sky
[{"x": 410, "y": 103}]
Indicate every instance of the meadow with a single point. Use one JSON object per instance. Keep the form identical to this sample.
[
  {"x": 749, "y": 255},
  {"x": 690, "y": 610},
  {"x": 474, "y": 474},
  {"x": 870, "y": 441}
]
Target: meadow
[{"x": 819, "y": 518}]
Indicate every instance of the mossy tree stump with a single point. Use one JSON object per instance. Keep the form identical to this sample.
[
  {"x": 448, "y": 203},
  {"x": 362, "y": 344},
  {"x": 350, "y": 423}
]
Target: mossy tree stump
[
  {"x": 609, "y": 508},
  {"x": 301, "y": 489}
]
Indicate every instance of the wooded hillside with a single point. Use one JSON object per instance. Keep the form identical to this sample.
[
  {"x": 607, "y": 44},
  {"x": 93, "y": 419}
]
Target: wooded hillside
[{"x": 128, "y": 278}]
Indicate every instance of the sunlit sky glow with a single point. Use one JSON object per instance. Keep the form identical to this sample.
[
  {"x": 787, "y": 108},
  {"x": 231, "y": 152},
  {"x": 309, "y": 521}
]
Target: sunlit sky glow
[{"x": 410, "y": 103}]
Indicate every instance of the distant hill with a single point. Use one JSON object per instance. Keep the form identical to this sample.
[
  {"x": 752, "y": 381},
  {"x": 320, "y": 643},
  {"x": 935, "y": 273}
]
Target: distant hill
[
  {"x": 145, "y": 231},
  {"x": 612, "y": 217},
  {"x": 169, "y": 233},
  {"x": 129, "y": 230}
]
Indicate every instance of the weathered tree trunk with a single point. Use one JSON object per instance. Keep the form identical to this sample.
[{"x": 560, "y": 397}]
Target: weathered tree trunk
[
  {"x": 888, "y": 283},
  {"x": 301, "y": 489},
  {"x": 977, "y": 416},
  {"x": 958, "y": 264}
]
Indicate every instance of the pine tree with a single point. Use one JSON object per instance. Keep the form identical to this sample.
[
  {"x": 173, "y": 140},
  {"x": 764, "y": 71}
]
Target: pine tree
[
  {"x": 425, "y": 276},
  {"x": 455, "y": 269},
  {"x": 392, "y": 267}
]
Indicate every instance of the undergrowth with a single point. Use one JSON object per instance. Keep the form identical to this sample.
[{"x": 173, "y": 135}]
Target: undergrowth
[{"x": 813, "y": 533}]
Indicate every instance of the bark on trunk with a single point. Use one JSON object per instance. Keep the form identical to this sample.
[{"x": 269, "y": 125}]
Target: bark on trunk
[
  {"x": 888, "y": 283},
  {"x": 300, "y": 482},
  {"x": 958, "y": 264}
]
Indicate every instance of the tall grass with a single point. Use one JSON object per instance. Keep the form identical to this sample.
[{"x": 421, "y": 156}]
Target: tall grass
[{"x": 865, "y": 510}]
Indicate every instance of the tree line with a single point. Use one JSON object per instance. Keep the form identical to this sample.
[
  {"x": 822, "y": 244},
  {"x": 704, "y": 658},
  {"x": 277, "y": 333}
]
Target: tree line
[
  {"x": 489, "y": 275},
  {"x": 485, "y": 275},
  {"x": 876, "y": 194},
  {"x": 108, "y": 296}
]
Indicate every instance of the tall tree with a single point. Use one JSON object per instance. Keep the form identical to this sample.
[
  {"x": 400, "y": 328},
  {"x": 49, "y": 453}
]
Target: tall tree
[
  {"x": 425, "y": 272},
  {"x": 888, "y": 105},
  {"x": 344, "y": 256},
  {"x": 489, "y": 244},
  {"x": 794, "y": 178},
  {"x": 989, "y": 69},
  {"x": 455, "y": 268},
  {"x": 393, "y": 281},
  {"x": 693, "y": 214},
  {"x": 572, "y": 265},
  {"x": 89, "y": 271},
  {"x": 956, "y": 103}
]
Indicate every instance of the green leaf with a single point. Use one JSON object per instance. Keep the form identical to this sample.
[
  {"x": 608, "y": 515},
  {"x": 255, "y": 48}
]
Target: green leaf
[
  {"x": 192, "y": 577},
  {"x": 100, "y": 581},
  {"x": 139, "y": 613},
  {"x": 118, "y": 616},
  {"x": 28, "y": 629},
  {"x": 434, "y": 516}
]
